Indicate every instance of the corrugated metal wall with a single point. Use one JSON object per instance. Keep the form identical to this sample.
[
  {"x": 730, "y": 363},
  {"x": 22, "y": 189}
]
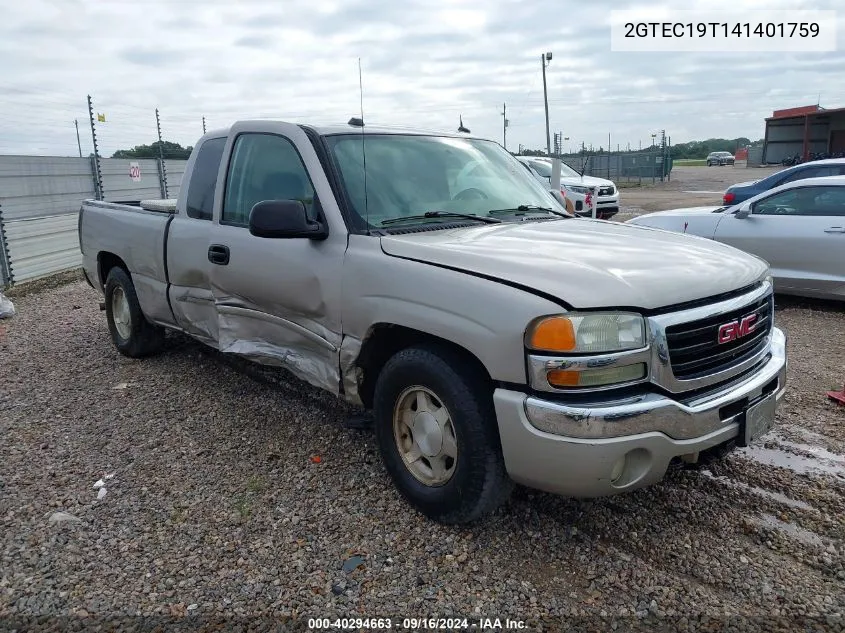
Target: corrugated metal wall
[
  {"x": 42, "y": 246},
  {"x": 40, "y": 198},
  {"x": 175, "y": 173},
  {"x": 119, "y": 185},
  {"x": 38, "y": 186}
]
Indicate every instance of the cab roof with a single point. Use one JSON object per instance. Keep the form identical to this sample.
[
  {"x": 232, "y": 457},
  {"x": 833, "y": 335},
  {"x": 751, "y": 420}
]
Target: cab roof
[{"x": 332, "y": 129}]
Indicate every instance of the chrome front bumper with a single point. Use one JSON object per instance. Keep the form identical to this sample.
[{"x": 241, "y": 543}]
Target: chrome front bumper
[{"x": 608, "y": 447}]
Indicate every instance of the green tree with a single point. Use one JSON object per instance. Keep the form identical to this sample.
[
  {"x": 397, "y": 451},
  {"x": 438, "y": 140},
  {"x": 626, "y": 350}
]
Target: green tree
[{"x": 168, "y": 150}]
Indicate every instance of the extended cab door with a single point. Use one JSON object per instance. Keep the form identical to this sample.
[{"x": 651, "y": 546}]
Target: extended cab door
[
  {"x": 800, "y": 232},
  {"x": 277, "y": 299},
  {"x": 188, "y": 267}
]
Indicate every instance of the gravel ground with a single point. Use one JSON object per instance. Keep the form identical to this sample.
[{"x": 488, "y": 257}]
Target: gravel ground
[{"x": 237, "y": 492}]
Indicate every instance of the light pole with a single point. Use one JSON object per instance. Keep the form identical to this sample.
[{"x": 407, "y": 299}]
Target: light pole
[
  {"x": 505, "y": 125},
  {"x": 544, "y": 60}
]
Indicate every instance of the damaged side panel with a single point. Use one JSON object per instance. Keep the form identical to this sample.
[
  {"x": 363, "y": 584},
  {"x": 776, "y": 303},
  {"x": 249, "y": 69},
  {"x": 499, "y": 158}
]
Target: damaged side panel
[
  {"x": 272, "y": 340},
  {"x": 352, "y": 375},
  {"x": 195, "y": 313}
]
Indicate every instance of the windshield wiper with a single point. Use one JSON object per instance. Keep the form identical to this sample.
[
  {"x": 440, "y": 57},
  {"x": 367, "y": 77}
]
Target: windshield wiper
[
  {"x": 526, "y": 208},
  {"x": 441, "y": 214}
]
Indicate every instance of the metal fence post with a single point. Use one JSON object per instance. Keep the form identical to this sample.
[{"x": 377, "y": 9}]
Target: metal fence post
[
  {"x": 162, "y": 168},
  {"x": 98, "y": 174},
  {"x": 5, "y": 263}
]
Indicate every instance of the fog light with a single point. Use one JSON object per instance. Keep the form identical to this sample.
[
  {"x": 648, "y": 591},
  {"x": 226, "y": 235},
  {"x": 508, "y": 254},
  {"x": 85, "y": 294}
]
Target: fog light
[{"x": 595, "y": 377}]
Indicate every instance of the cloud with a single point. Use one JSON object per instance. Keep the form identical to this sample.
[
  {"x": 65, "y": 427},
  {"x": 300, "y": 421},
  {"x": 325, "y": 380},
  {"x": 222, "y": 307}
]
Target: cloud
[{"x": 424, "y": 64}]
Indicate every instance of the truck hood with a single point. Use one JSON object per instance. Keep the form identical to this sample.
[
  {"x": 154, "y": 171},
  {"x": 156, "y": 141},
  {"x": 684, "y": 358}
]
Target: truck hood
[{"x": 588, "y": 263}]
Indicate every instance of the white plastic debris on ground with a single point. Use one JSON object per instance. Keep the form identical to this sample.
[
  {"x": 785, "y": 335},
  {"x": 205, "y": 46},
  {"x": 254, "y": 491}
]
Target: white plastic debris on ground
[
  {"x": 7, "y": 308},
  {"x": 100, "y": 485}
]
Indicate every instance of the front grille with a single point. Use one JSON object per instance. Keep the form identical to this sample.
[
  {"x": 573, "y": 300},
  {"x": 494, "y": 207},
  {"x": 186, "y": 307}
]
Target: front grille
[
  {"x": 695, "y": 350},
  {"x": 606, "y": 191}
]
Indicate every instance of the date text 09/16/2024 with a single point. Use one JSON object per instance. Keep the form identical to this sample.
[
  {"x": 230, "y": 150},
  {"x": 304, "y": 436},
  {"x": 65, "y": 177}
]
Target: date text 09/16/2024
[{"x": 415, "y": 624}]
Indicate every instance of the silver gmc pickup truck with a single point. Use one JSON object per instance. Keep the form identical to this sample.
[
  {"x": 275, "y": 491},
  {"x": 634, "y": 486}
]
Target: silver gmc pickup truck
[{"x": 430, "y": 279}]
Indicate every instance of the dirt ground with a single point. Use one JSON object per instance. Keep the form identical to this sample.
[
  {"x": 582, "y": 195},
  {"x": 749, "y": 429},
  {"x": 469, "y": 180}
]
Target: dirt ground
[{"x": 688, "y": 187}]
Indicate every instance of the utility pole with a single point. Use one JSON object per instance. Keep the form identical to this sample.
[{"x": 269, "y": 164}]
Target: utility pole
[
  {"x": 505, "y": 125},
  {"x": 78, "y": 143},
  {"x": 544, "y": 59},
  {"x": 203, "y": 125},
  {"x": 608, "y": 143}
]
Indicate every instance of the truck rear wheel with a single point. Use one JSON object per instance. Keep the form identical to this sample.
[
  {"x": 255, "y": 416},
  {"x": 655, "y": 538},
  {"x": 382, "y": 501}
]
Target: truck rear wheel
[
  {"x": 131, "y": 333},
  {"x": 436, "y": 430}
]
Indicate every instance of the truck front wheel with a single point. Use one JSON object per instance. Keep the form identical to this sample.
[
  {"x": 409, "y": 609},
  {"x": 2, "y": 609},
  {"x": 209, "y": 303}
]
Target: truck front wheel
[
  {"x": 130, "y": 331},
  {"x": 436, "y": 430}
]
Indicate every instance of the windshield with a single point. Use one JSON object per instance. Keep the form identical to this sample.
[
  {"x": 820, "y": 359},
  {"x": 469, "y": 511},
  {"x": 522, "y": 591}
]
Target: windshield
[
  {"x": 412, "y": 174},
  {"x": 545, "y": 169}
]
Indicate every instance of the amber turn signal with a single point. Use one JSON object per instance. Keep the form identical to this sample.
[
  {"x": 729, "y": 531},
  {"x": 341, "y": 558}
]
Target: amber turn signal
[{"x": 554, "y": 334}]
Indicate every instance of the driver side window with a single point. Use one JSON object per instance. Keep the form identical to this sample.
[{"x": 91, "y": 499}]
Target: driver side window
[
  {"x": 264, "y": 167},
  {"x": 804, "y": 201}
]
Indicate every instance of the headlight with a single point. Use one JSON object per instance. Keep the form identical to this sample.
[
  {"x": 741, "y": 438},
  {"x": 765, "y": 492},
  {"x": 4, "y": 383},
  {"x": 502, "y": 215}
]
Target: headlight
[{"x": 599, "y": 332}]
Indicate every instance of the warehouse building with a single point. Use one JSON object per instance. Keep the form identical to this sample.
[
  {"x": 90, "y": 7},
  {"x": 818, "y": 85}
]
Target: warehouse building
[{"x": 803, "y": 131}]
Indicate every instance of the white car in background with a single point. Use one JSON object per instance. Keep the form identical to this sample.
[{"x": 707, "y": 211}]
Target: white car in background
[
  {"x": 798, "y": 228},
  {"x": 575, "y": 186}
]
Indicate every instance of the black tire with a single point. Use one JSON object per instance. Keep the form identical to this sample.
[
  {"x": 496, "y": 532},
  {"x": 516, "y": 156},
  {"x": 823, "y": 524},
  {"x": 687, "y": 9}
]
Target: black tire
[
  {"x": 479, "y": 483},
  {"x": 144, "y": 338}
]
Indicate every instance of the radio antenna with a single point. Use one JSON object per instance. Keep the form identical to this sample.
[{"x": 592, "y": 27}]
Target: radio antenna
[{"x": 363, "y": 147}]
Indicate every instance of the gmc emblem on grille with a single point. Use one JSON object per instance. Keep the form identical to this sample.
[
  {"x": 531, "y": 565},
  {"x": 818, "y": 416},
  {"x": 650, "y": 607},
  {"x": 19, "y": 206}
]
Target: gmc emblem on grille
[{"x": 737, "y": 329}]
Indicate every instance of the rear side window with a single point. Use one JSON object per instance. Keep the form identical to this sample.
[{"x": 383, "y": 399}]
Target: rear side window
[{"x": 203, "y": 179}]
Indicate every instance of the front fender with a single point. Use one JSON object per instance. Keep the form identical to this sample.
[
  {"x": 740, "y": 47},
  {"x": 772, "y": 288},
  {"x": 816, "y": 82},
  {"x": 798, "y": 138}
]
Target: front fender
[{"x": 485, "y": 317}]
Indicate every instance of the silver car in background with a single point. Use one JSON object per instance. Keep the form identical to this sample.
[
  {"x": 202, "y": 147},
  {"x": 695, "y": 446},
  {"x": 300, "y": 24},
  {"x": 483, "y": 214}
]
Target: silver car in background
[
  {"x": 720, "y": 158},
  {"x": 798, "y": 228}
]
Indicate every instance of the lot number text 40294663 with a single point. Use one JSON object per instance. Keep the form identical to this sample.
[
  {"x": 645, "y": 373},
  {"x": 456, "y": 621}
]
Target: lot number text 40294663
[{"x": 416, "y": 624}]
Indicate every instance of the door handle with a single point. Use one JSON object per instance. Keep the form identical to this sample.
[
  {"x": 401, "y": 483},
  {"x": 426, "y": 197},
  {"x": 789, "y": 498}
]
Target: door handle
[
  {"x": 218, "y": 254},
  {"x": 835, "y": 229}
]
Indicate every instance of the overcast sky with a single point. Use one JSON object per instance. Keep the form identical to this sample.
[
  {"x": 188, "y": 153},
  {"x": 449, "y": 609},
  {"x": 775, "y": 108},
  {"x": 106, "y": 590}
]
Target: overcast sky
[{"x": 425, "y": 62}]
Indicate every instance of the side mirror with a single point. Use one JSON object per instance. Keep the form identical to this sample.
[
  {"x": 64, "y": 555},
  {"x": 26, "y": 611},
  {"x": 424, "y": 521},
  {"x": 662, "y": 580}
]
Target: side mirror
[
  {"x": 284, "y": 219},
  {"x": 743, "y": 212}
]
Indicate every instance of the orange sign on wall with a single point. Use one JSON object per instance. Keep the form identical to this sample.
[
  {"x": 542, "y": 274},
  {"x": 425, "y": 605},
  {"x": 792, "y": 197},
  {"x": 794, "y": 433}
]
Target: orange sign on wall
[{"x": 741, "y": 154}]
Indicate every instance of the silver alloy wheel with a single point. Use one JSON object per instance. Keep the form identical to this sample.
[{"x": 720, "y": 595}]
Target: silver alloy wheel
[
  {"x": 120, "y": 313},
  {"x": 425, "y": 436}
]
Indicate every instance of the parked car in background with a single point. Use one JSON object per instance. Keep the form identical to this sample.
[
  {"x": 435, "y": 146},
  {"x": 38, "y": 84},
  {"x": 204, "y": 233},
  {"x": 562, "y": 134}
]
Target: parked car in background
[
  {"x": 798, "y": 228},
  {"x": 720, "y": 159},
  {"x": 742, "y": 191},
  {"x": 573, "y": 183},
  {"x": 495, "y": 338}
]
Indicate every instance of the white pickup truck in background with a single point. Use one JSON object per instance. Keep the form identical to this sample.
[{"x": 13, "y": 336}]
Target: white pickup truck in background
[{"x": 431, "y": 279}]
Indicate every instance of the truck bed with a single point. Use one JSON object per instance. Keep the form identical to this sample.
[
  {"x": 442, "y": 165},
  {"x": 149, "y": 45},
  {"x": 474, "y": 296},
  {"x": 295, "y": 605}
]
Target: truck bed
[{"x": 135, "y": 232}]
